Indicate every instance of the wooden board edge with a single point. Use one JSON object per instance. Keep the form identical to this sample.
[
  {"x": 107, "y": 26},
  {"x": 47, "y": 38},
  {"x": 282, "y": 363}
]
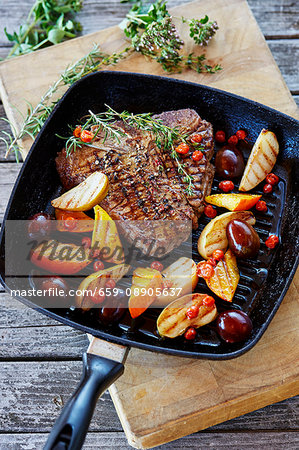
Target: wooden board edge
[{"x": 197, "y": 422}]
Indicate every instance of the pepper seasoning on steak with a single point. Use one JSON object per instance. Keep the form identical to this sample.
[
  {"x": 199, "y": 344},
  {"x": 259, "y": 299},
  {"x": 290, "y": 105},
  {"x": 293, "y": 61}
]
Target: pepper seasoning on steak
[{"x": 144, "y": 181}]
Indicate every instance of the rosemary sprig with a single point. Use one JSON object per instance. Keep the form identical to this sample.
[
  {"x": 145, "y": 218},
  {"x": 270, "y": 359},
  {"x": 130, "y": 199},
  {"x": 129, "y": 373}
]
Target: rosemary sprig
[
  {"x": 48, "y": 22},
  {"x": 37, "y": 116},
  {"x": 165, "y": 136}
]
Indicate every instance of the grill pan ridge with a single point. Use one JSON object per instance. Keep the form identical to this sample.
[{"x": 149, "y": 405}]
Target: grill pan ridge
[{"x": 263, "y": 282}]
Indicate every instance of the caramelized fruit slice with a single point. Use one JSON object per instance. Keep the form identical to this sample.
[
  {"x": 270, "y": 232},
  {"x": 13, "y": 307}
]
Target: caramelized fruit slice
[
  {"x": 145, "y": 285},
  {"x": 173, "y": 320},
  {"x": 233, "y": 202},
  {"x": 226, "y": 277},
  {"x": 105, "y": 235}
]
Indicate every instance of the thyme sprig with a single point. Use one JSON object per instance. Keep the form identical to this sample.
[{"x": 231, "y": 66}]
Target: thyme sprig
[
  {"x": 153, "y": 34},
  {"x": 165, "y": 137}
]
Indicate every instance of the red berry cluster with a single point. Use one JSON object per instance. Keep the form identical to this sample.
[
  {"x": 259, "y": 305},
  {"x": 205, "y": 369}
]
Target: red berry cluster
[
  {"x": 240, "y": 135},
  {"x": 271, "y": 180}
]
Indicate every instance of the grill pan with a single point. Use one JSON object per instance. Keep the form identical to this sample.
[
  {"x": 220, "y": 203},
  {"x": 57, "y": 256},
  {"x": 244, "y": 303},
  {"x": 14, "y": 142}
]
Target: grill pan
[{"x": 263, "y": 282}]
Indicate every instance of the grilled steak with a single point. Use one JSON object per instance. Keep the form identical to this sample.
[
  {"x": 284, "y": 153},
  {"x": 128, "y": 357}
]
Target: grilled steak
[{"x": 144, "y": 181}]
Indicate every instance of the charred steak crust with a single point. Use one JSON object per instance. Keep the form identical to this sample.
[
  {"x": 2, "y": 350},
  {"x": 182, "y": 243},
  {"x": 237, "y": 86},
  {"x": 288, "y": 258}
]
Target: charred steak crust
[{"x": 144, "y": 181}]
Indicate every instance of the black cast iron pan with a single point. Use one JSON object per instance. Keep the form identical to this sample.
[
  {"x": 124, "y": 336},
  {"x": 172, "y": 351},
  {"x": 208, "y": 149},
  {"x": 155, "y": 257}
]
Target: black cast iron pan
[{"x": 264, "y": 281}]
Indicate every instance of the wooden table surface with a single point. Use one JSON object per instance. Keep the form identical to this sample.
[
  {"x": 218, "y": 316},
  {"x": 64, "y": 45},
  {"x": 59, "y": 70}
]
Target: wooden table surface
[{"x": 40, "y": 365}]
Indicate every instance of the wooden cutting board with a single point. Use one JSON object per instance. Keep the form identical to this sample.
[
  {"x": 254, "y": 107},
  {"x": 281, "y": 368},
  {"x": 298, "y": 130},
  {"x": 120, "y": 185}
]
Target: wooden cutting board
[{"x": 161, "y": 398}]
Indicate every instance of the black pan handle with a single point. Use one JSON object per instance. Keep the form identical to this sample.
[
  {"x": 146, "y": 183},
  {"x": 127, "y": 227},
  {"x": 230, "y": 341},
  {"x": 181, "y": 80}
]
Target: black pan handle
[{"x": 70, "y": 429}]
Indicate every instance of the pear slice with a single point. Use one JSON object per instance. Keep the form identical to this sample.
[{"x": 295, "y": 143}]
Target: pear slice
[
  {"x": 173, "y": 320},
  {"x": 84, "y": 196},
  {"x": 213, "y": 236},
  {"x": 261, "y": 160}
]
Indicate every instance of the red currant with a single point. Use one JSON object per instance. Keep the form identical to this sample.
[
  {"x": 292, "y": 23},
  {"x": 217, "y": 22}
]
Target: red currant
[
  {"x": 196, "y": 138},
  {"x": 220, "y": 137},
  {"x": 182, "y": 149},
  {"x": 98, "y": 265},
  {"x": 241, "y": 134},
  {"x": 272, "y": 179},
  {"x": 190, "y": 334},
  {"x": 218, "y": 254},
  {"x": 226, "y": 186},
  {"x": 70, "y": 223},
  {"x": 272, "y": 241},
  {"x": 233, "y": 140},
  {"x": 210, "y": 211},
  {"x": 192, "y": 312},
  {"x": 157, "y": 266},
  {"x": 86, "y": 136},
  {"x": 197, "y": 155},
  {"x": 261, "y": 206},
  {"x": 268, "y": 188}
]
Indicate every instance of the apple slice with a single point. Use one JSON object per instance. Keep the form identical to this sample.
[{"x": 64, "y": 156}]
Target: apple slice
[
  {"x": 261, "y": 160},
  {"x": 84, "y": 196},
  {"x": 213, "y": 236},
  {"x": 226, "y": 277},
  {"x": 173, "y": 320},
  {"x": 233, "y": 202}
]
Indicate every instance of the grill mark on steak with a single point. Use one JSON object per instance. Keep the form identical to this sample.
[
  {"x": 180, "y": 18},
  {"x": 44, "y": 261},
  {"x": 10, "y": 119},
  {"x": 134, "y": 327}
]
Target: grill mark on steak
[{"x": 138, "y": 189}]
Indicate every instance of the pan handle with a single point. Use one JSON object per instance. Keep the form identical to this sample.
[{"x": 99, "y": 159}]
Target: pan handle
[{"x": 70, "y": 429}]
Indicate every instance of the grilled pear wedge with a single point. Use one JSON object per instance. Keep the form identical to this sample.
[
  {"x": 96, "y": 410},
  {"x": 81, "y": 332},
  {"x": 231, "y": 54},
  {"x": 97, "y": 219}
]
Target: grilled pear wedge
[
  {"x": 181, "y": 278},
  {"x": 261, "y": 160},
  {"x": 96, "y": 281},
  {"x": 84, "y": 196},
  {"x": 173, "y": 320},
  {"x": 213, "y": 236}
]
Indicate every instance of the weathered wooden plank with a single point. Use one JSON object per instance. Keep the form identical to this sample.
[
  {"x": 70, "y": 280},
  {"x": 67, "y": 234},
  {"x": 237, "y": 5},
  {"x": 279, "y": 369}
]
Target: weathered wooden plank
[
  {"x": 14, "y": 314},
  {"x": 42, "y": 342},
  {"x": 286, "y": 55},
  {"x": 203, "y": 441},
  {"x": 8, "y": 175},
  {"x": 33, "y": 394},
  {"x": 4, "y": 126},
  {"x": 296, "y": 98}
]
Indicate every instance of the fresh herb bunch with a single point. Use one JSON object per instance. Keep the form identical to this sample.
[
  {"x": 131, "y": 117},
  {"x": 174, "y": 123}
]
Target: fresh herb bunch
[
  {"x": 165, "y": 136},
  {"x": 153, "y": 33},
  {"x": 201, "y": 30},
  {"x": 48, "y": 22}
]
